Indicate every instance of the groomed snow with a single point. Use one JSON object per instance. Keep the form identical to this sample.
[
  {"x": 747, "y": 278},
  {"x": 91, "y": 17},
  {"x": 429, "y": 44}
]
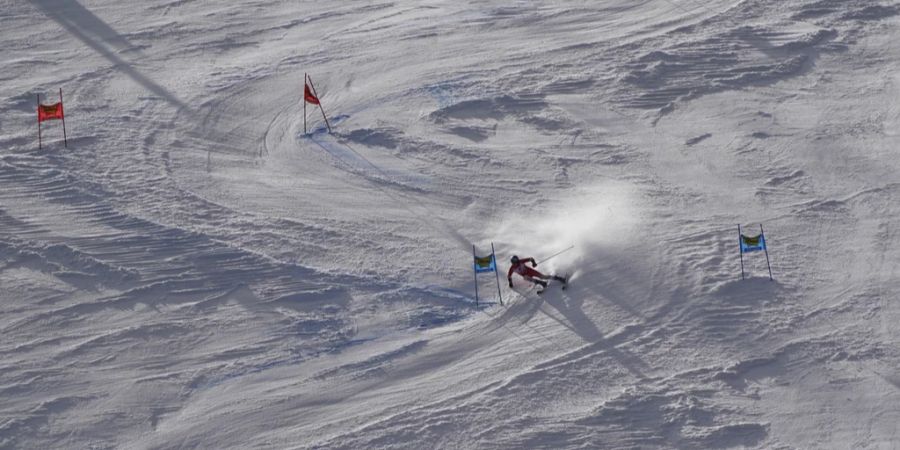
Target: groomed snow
[{"x": 195, "y": 272}]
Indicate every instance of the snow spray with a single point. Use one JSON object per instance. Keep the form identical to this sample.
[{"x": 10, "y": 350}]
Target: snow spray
[{"x": 591, "y": 219}]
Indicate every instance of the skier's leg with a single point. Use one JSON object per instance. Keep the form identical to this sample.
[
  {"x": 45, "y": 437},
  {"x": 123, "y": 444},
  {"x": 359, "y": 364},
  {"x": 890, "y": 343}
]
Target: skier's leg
[
  {"x": 535, "y": 274},
  {"x": 537, "y": 281}
]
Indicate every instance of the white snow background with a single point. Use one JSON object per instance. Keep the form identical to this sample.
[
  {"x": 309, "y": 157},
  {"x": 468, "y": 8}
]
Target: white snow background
[{"x": 194, "y": 272}]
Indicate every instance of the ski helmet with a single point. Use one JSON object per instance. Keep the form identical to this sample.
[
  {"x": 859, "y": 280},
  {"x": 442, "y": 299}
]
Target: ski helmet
[{"x": 514, "y": 259}]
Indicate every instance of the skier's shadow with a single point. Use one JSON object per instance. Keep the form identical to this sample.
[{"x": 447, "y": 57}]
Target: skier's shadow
[
  {"x": 574, "y": 318},
  {"x": 570, "y": 314},
  {"x": 85, "y": 26}
]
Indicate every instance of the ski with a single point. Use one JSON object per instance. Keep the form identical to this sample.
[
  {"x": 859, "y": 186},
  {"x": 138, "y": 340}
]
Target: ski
[{"x": 564, "y": 283}]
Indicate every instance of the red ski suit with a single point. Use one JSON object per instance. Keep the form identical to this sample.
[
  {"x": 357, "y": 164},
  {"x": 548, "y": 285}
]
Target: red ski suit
[{"x": 526, "y": 272}]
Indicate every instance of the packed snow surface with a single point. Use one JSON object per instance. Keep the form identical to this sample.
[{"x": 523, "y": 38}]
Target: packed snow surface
[{"x": 194, "y": 271}]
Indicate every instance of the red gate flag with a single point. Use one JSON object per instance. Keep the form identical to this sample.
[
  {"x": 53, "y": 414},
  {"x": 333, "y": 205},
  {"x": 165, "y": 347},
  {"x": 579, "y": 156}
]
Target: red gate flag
[
  {"x": 50, "y": 112},
  {"x": 308, "y": 95},
  {"x": 311, "y": 96}
]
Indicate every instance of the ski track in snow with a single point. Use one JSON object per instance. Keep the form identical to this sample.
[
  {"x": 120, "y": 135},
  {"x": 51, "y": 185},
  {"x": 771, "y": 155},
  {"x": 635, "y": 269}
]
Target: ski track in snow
[{"x": 195, "y": 272}]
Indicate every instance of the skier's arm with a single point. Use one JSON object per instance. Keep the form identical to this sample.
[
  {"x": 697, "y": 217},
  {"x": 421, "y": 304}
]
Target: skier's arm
[
  {"x": 533, "y": 262},
  {"x": 509, "y": 275}
]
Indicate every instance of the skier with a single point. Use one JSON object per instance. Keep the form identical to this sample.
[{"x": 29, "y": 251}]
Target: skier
[{"x": 519, "y": 266}]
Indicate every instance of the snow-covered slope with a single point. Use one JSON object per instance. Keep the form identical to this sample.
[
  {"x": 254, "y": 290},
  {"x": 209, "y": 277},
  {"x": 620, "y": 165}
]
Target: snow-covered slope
[{"x": 195, "y": 272}]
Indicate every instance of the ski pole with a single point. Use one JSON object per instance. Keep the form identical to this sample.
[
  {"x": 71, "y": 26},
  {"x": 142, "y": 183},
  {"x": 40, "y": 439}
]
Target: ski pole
[{"x": 558, "y": 253}]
